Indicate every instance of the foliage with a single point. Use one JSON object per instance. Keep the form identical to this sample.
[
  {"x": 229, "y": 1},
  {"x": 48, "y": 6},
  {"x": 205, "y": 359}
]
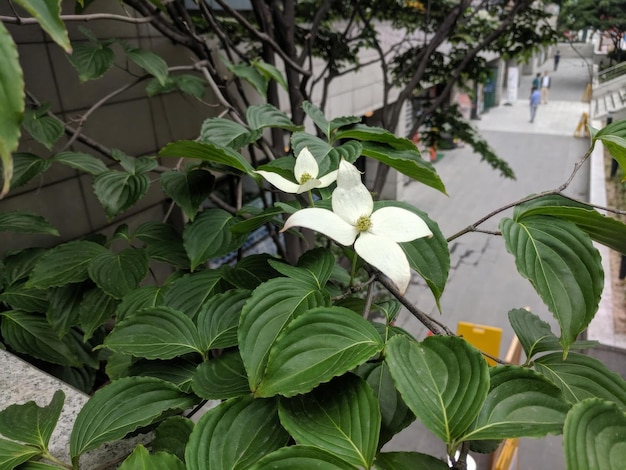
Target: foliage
[
  {"x": 304, "y": 374},
  {"x": 606, "y": 17}
]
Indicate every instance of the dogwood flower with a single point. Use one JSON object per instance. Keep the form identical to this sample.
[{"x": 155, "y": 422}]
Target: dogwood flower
[
  {"x": 375, "y": 234},
  {"x": 306, "y": 171}
]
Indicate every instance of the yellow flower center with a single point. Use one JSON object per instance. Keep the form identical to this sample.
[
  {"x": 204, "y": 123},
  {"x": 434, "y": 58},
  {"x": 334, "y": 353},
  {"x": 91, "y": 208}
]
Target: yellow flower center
[
  {"x": 305, "y": 177},
  {"x": 363, "y": 223}
]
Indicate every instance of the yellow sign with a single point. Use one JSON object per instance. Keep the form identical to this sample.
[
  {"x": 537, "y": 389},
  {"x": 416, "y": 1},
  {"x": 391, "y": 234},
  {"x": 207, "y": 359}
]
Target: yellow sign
[
  {"x": 484, "y": 338},
  {"x": 582, "y": 126}
]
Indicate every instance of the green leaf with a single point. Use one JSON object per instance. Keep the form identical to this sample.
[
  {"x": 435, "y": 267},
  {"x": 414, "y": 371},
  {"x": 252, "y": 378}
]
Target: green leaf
[
  {"x": 207, "y": 152},
  {"x": 91, "y": 60},
  {"x": 613, "y": 136},
  {"x": 226, "y": 133},
  {"x": 316, "y": 346},
  {"x": 96, "y": 308},
  {"x": 18, "y": 265},
  {"x": 581, "y": 377},
  {"x": 260, "y": 116},
  {"x": 81, "y": 162},
  {"x": 250, "y": 75},
  {"x": 379, "y": 135},
  {"x": 536, "y": 336},
  {"x": 341, "y": 417},
  {"x": 155, "y": 333},
  {"x": 65, "y": 264},
  {"x": 218, "y": 319},
  {"x": 25, "y": 222},
  {"x": 594, "y": 436},
  {"x": 47, "y": 14},
  {"x": 302, "y": 458},
  {"x": 407, "y": 161},
  {"x": 34, "y": 465},
  {"x": 188, "y": 189},
  {"x": 32, "y": 335},
  {"x": 172, "y": 436},
  {"x": 64, "y": 306},
  {"x": 26, "y": 166},
  {"x": 118, "y": 191},
  {"x": 443, "y": 380},
  {"x": 269, "y": 309},
  {"x": 13, "y": 454},
  {"x": 20, "y": 297},
  {"x": 235, "y": 434},
  {"x": 149, "y": 61},
  {"x": 408, "y": 461},
  {"x": 323, "y": 152},
  {"x": 12, "y": 109},
  {"x": 563, "y": 266},
  {"x": 138, "y": 299},
  {"x": 43, "y": 128},
  {"x": 520, "y": 403},
  {"x": 250, "y": 272},
  {"x": 30, "y": 423},
  {"x": 395, "y": 414},
  {"x": 221, "y": 378},
  {"x": 163, "y": 243},
  {"x": 188, "y": 293},
  {"x": 209, "y": 236},
  {"x": 247, "y": 226},
  {"x": 120, "y": 408},
  {"x": 349, "y": 151},
  {"x": 141, "y": 458},
  {"x": 119, "y": 273},
  {"x": 317, "y": 116},
  {"x": 314, "y": 267},
  {"x": 179, "y": 371},
  {"x": 185, "y": 83},
  {"x": 608, "y": 231},
  {"x": 270, "y": 72}
]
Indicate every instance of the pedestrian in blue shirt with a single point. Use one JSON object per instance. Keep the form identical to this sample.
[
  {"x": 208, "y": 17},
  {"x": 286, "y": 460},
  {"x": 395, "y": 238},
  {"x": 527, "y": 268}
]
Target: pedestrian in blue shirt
[{"x": 535, "y": 99}]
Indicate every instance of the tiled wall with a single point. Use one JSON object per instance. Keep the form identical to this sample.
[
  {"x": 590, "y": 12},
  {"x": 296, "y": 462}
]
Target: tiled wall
[{"x": 131, "y": 122}]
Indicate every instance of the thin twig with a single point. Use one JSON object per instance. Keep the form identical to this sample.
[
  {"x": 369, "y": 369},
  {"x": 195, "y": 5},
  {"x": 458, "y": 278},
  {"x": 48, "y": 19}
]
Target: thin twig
[
  {"x": 93, "y": 17},
  {"x": 429, "y": 322},
  {"x": 577, "y": 166}
]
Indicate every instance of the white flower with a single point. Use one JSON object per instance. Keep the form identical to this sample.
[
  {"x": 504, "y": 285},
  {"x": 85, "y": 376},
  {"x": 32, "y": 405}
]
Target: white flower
[
  {"x": 305, "y": 171},
  {"x": 375, "y": 234}
]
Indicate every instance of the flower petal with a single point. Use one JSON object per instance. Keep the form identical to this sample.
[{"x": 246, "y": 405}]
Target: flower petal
[
  {"x": 305, "y": 163},
  {"x": 351, "y": 199},
  {"x": 312, "y": 183},
  {"x": 387, "y": 257},
  {"x": 328, "y": 179},
  {"x": 399, "y": 225},
  {"x": 281, "y": 183},
  {"x": 323, "y": 221}
]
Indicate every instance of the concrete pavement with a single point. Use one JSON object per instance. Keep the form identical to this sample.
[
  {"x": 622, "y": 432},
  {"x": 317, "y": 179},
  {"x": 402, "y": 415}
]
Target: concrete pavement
[{"x": 483, "y": 283}]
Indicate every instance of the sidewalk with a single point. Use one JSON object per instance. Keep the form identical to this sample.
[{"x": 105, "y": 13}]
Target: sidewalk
[{"x": 483, "y": 284}]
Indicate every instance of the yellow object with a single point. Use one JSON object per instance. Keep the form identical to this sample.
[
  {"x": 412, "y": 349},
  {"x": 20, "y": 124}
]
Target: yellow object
[
  {"x": 582, "y": 126},
  {"x": 484, "y": 338},
  {"x": 507, "y": 457}
]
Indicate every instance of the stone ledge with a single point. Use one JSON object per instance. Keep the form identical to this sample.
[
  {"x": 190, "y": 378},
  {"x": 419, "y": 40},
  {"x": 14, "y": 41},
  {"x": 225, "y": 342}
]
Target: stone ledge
[{"x": 21, "y": 382}]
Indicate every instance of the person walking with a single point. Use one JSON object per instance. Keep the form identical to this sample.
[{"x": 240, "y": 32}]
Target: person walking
[
  {"x": 537, "y": 81},
  {"x": 535, "y": 98},
  {"x": 557, "y": 58},
  {"x": 546, "y": 81}
]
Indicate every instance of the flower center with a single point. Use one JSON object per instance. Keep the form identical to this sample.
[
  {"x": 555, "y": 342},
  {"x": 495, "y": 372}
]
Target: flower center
[
  {"x": 363, "y": 223},
  {"x": 305, "y": 177}
]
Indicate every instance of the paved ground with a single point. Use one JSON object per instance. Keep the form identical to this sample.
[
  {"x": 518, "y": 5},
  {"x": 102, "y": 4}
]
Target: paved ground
[{"x": 484, "y": 284}]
